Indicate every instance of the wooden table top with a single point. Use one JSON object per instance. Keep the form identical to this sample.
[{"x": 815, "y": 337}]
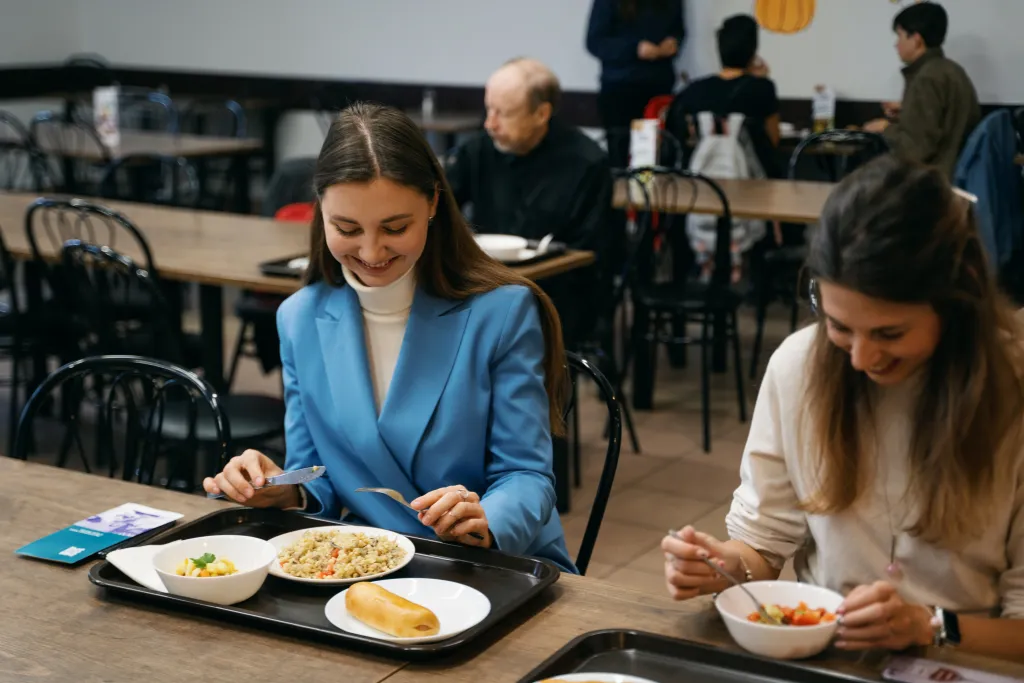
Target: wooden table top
[
  {"x": 447, "y": 123},
  {"x": 64, "y": 629},
  {"x": 217, "y": 248},
  {"x": 150, "y": 142},
  {"x": 793, "y": 201}
]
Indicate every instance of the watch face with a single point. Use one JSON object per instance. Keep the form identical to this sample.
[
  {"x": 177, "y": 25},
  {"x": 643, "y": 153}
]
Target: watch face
[{"x": 951, "y": 625}]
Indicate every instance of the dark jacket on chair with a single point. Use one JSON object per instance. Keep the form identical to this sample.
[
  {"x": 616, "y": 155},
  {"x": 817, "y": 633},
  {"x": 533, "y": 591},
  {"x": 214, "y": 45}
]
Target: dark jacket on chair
[
  {"x": 940, "y": 109},
  {"x": 987, "y": 169}
]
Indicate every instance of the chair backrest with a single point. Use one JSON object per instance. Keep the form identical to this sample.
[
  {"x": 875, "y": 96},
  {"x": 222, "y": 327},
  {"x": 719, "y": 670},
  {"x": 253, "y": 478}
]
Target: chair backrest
[
  {"x": 88, "y": 70},
  {"x": 132, "y": 394},
  {"x": 580, "y": 366},
  {"x": 224, "y": 119},
  {"x": 152, "y": 179},
  {"x": 291, "y": 183},
  {"x": 662, "y": 187},
  {"x": 21, "y": 165},
  {"x": 301, "y": 212},
  {"x": 100, "y": 285},
  {"x": 9, "y": 283},
  {"x": 56, "y": 138},
  {"x": 838, "y": 152},
  {"x": 144, "y": 109},
  {"x": 49, "y": 223},
  {"x": 657, "y": 107}
]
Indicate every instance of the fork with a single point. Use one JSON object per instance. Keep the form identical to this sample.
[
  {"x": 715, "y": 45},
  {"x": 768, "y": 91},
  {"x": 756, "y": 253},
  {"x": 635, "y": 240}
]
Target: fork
[
  {"x": 399, "y": 498},
  {"x": 768, "y": 618}
]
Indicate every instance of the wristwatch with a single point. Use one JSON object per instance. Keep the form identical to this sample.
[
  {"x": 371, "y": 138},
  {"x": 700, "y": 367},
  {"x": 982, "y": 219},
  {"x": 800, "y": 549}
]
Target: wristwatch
[{"x": 945, "y": 628}]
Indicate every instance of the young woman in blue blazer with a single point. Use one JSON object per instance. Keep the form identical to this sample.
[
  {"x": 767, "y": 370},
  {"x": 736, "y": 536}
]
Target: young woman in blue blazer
[{"x": 412, "y": 360}]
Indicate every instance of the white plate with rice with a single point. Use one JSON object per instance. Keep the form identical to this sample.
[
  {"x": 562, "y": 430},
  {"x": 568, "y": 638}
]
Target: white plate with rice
[{"x": 362, "y": 553}]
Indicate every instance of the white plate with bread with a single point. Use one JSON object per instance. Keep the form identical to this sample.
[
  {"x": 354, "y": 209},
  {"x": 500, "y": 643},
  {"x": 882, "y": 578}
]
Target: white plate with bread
[{"x": 408, "y": 611}]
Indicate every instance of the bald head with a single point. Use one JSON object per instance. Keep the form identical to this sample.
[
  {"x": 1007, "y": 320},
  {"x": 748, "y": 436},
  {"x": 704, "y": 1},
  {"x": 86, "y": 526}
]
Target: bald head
[
  {"x": 538, "y": 81},
  {"x": 520, "y": 97}
]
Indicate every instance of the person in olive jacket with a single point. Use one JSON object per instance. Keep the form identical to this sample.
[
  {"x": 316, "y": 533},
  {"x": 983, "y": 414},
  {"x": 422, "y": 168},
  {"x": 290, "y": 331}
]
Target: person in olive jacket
[{"x": 940, "y": 105}]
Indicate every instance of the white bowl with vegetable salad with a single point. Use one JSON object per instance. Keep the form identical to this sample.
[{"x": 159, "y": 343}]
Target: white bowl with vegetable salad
[{"x": 220, "y": 569}]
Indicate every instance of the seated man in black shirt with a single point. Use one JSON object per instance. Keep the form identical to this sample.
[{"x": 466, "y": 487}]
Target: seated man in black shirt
[
  {"x": 531, "y": 175},
  {"x": 742, "y": 87}
]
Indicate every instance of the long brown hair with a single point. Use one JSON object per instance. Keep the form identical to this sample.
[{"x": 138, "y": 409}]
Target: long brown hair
[
  {"x": 369, "y": 141},
  {"x": 896, "y": 231}
]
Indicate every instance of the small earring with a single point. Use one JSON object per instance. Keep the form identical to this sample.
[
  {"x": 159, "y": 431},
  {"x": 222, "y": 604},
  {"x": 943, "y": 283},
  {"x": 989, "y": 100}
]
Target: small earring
[{"x": 430, "y": 221}]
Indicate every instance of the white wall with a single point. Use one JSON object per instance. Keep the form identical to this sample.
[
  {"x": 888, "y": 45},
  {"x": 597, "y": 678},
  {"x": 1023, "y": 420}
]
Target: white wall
[
  {"x": 439, "y": 41},
  {"x": 36, "y": 32},
  {"x": 849, "y": 44}
]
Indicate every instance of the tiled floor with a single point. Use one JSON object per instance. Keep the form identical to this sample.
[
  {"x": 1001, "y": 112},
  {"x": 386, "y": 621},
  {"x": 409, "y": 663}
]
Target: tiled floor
[{"x": 671, "y": 484}]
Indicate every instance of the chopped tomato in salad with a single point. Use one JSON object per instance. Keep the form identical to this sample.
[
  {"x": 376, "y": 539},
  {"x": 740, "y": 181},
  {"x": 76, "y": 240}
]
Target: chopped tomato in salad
[{"x": 801, "y": 615}]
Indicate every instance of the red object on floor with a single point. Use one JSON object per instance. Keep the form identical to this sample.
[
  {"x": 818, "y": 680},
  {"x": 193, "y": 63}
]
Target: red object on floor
[{"x": 300, "y": 211}]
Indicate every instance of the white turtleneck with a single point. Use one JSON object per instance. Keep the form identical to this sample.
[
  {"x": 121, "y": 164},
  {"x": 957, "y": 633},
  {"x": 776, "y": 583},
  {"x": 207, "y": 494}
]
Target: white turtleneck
[{"x": 385, "y": 314}]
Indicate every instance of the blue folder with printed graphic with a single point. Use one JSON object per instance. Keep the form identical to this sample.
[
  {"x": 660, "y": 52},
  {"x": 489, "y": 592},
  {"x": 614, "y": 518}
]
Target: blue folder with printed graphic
[{"x": 92, "y": 535}]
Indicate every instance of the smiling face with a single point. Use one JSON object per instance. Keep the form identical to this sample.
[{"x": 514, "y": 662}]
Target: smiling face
[
  {"x": 378, "y": 229},
  {"x": 886, "y": 341}
]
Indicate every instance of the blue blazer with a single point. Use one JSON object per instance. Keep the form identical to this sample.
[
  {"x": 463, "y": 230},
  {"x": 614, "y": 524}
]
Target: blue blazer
[{"x": 466, "y": 405}]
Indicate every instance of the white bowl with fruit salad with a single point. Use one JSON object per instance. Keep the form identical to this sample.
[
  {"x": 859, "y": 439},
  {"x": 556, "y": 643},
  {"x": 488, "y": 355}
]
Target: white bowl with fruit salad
[
  {"x": 807, "y": 612},
  {"x": 224, "y": 570}
]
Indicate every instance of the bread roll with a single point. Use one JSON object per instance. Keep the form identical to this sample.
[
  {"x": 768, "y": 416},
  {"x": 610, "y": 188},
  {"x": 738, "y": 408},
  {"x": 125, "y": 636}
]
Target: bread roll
[{"x": 383, "y": 610}]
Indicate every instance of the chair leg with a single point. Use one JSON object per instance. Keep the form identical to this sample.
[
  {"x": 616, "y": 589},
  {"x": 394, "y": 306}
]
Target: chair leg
[
  {"x": 762, "y": 310},
  {"x": 737, "y": 361},
  {"x": 239, "y": 345},
  {"x": 627, "y": 413},
  {"x": 653, "y": 326},
  {"x": 705, "y": 379},
  {"x": 12, "y": 416},
  {"x": 577, "y": 467},
  {"x": 616, "y": 379}
]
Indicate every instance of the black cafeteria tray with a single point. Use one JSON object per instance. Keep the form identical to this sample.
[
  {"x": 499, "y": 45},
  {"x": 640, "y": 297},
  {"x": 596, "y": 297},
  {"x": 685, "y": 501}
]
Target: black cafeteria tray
[
  {"x": 507, "y": 581},
  {"x": 279, "y": 267},
  {"x": 672, "y": 660}
]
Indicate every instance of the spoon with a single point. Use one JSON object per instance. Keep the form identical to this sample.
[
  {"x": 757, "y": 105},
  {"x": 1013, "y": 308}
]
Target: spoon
[
  {"x": 542, "y": 248},
  {"x": 765, "y": 616},
  {"x": 399, "y": 498}
]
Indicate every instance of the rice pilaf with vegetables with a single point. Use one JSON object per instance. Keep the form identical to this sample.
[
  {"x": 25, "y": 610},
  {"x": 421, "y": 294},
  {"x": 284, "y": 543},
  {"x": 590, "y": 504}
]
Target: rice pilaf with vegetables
[{"x": 331, "y": 554}]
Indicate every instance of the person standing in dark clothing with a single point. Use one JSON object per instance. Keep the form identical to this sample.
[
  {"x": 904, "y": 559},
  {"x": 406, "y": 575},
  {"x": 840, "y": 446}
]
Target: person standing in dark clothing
[
  {"x": 636, "y": 41},
  {"x": 531, "y": 175}
]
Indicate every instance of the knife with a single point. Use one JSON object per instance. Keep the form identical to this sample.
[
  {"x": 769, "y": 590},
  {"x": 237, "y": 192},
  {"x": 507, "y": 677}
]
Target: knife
[{"x": 307, "y": 474}]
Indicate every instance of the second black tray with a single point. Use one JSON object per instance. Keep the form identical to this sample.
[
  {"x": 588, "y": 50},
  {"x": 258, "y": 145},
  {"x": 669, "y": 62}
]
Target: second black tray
[
  {"x": 670, "y": 660},
  {"x": 509, "y": 582}
]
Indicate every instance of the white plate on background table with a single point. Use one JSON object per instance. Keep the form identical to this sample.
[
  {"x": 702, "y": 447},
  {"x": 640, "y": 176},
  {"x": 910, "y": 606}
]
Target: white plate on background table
[
  {"x": 458, "y": 608},
  {"x": 284, "y": 540},
  {"x": 503, "y": 247},
  {"x": 598, "y": 678}
]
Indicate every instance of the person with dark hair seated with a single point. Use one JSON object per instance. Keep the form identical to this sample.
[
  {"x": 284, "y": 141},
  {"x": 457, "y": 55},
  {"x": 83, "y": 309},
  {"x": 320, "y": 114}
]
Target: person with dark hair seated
[
  {"x": 742, "y": 87},
  {"x": 940, "y": 105},
  {"x": 529, "y": 174}
]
